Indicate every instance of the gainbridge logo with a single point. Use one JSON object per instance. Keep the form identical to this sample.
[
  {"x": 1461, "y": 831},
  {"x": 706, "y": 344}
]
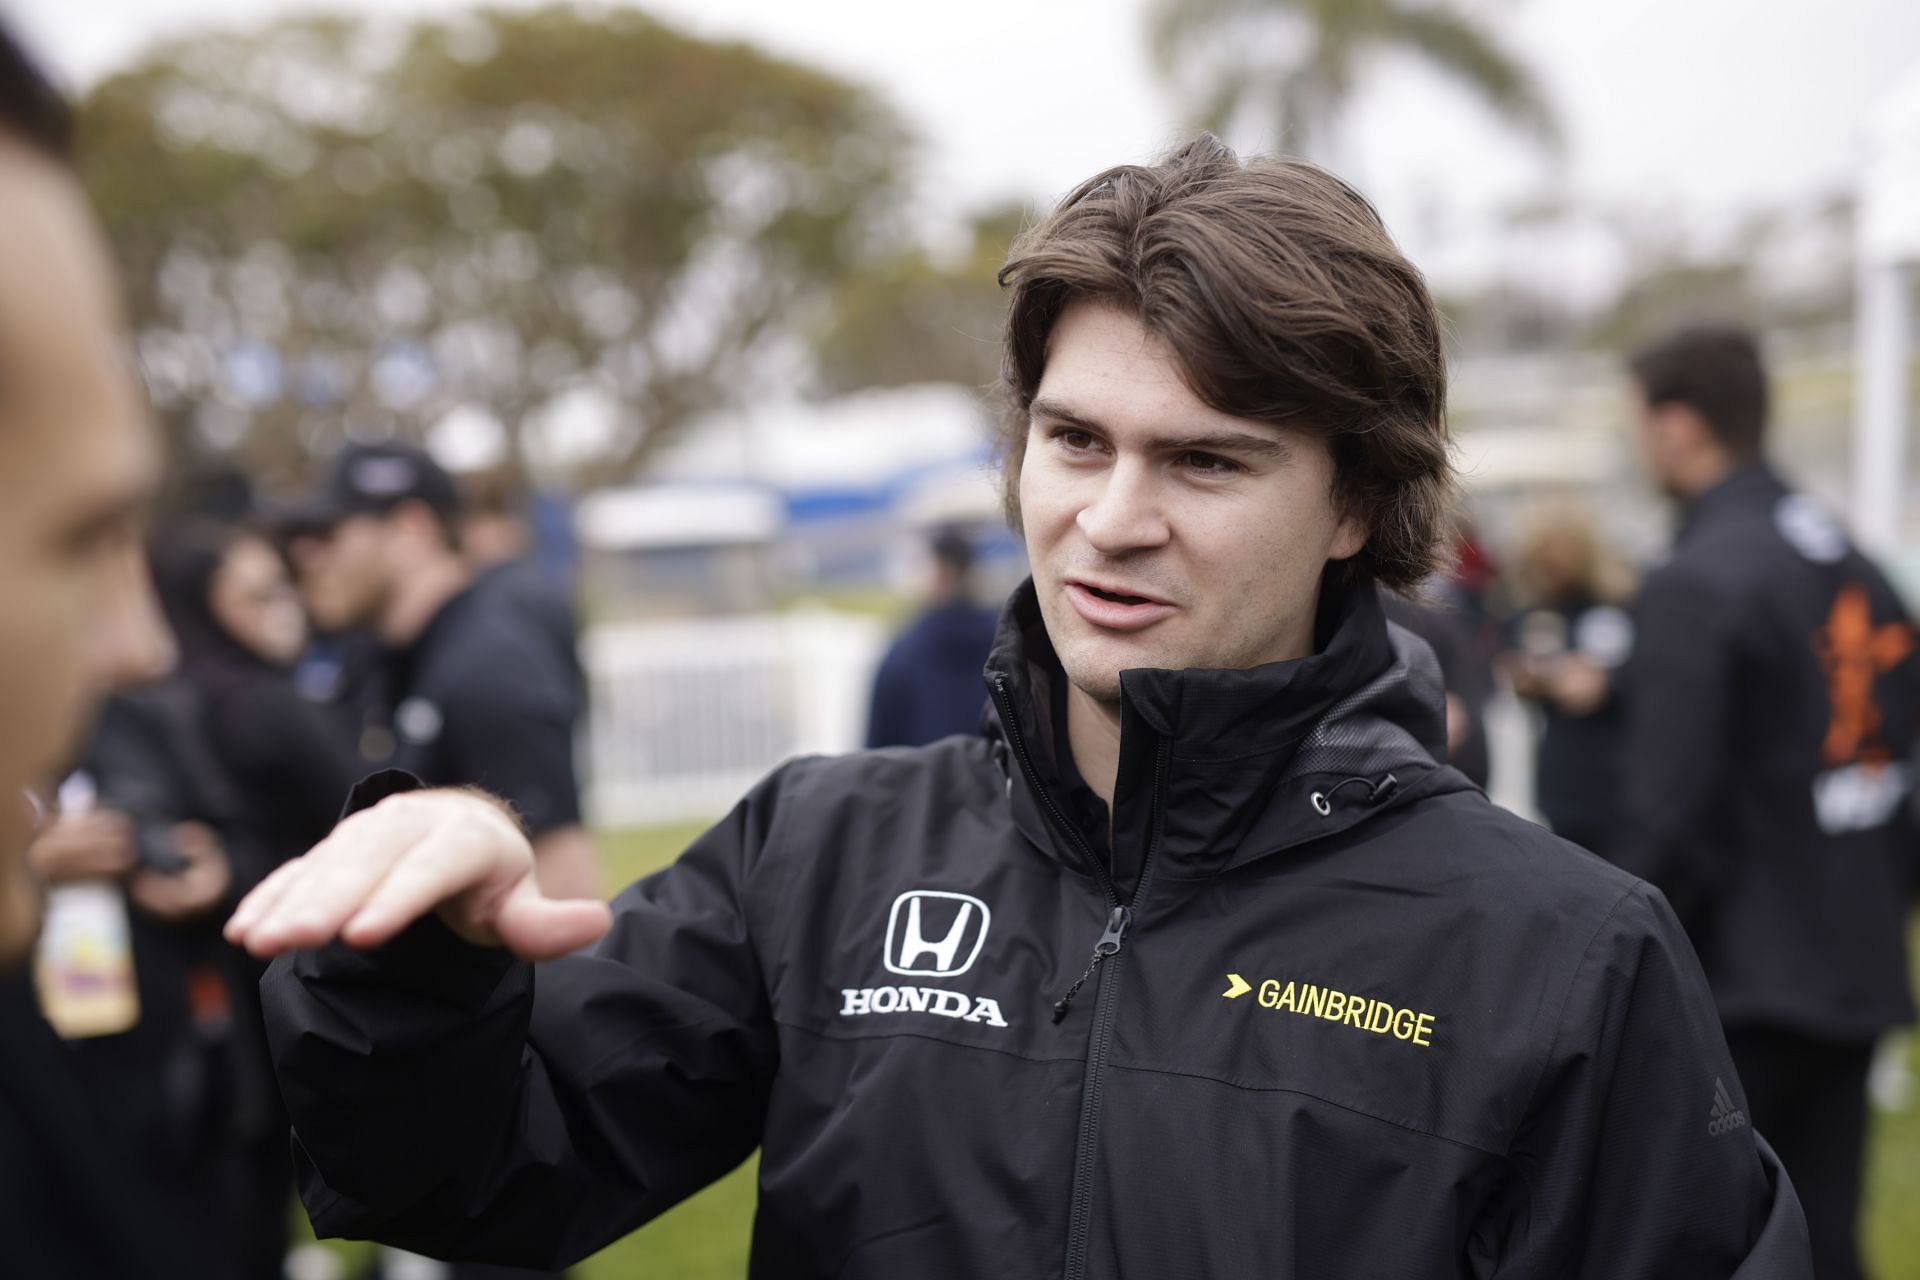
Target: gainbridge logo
[{"x": 1862, "y": 785}]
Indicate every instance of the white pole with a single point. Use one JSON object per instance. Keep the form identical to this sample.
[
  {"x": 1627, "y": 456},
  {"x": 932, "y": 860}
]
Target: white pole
[{"x": 1880, "y": 404}]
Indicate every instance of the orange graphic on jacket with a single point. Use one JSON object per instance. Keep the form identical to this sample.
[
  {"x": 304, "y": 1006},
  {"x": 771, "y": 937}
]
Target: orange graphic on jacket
[{"x": 1854, "y": 651}]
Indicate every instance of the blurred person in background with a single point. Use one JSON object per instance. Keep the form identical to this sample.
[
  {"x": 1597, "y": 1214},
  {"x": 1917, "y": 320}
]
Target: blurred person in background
[
  {"x": 79, "y": 464},
  {"x": 928, "y": 684},
  {"x": 240, "y": 628},
  {"x": 1771, "y": 717},
  {"x": 1564, "y": 648},
  {"x": 1063, "y": 998},
  {"x": 475, "y": 689},
  {"x": 153, "y": 816},
  {"x": 475, "y": 683},
  {"x": 1454, "y": 638},
  {"x": 497, "y": 542}
]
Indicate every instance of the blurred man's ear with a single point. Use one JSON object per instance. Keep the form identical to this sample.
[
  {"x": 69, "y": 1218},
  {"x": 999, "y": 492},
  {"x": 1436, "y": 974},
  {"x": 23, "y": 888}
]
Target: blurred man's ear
[
  {"x": 1685, "y": 433},
  {"x": 420, "y": 523}
]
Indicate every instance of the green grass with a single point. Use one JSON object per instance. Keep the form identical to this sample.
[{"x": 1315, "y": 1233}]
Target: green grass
[
  {"x": 705, "y": 1238},
  {"x": 1892, "y": 1207}
]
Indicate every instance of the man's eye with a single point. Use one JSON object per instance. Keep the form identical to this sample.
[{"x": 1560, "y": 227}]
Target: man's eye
[
  {"x": 1211, "y": 464},
  {"x": 1076, "y": 440},
  {"x": 102, "y": 538}
]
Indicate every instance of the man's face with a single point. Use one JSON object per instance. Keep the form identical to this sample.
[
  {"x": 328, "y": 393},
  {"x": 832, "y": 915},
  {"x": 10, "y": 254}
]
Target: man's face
[
  {"x": 78, "y": 463},
  {"x": 345, "y": 573},
  {"x": 1162, "y": 532},
  {"x": 1651, "y": 438}
]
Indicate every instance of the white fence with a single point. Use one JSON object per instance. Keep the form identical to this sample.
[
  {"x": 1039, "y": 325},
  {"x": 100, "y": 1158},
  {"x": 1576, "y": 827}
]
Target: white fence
[{"x": 686, "y": 715}]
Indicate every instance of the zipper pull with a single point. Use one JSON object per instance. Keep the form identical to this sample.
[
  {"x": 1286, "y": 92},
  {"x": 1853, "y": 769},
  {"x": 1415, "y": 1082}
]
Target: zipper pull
[{"x": 1117, "y": 921}]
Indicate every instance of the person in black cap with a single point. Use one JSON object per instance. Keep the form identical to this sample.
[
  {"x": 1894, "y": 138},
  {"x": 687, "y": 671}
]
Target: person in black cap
[{"x": 474, "y": 692}]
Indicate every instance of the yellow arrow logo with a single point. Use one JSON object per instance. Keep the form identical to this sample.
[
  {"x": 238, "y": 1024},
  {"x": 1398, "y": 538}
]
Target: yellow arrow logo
[{"x": 1240, "y": 986}]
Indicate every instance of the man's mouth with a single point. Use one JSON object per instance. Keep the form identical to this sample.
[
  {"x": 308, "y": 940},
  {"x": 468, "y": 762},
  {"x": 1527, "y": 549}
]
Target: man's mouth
[
  {"x": 1116, "y": 596},
  {"x": 1116, "y": 609}
]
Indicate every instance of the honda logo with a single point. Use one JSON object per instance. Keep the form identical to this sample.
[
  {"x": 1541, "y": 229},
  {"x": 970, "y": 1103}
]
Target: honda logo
[{"x": 935, "y": 935}]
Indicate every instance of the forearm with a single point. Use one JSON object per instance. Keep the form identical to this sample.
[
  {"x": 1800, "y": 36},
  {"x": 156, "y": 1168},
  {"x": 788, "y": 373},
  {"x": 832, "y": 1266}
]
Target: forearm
[{"x": 399, "y": 1068}]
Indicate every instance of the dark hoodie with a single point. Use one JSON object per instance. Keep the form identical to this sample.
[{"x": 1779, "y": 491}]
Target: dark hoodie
[
  {"x": 928, "y": 685},
  {"x": 1348, "y": 1019},
  {"x": 289, "y": 767}
]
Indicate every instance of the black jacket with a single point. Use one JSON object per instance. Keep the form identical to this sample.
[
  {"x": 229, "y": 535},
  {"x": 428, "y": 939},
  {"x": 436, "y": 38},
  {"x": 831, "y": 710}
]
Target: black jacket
[
  {"x": 76, "y": 1209},
  {"x": 1767, "y": 763},
  {"x": 928, "y": 684},
  {"x": 1352, "y": 1020}
]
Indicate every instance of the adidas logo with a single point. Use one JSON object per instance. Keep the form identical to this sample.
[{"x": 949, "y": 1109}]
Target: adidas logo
[{"x": 1725, "y": 1117}]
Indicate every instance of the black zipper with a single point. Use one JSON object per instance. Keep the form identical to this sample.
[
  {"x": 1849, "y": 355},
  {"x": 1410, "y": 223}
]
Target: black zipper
[
  {"x": 1107, "y": 950},
  {"x": 1019, "y": 741}
]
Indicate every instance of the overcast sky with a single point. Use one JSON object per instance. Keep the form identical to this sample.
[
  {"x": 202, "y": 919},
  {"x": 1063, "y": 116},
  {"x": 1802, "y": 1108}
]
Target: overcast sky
[{"x": 1701, "y": 107}]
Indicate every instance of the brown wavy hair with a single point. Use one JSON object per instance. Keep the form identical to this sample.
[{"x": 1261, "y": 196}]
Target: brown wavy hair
[{"x": 1283, "y": 299}]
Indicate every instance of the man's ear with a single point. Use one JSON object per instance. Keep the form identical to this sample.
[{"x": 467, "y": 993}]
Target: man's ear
[
  {"x": 1350, "y": 535},
  {"x": 1678, "y": 428},
  {"x": 419, "y": 520}
]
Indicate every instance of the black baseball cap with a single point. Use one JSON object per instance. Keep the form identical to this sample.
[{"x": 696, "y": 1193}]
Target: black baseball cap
[{"x": 371, "y": 478}]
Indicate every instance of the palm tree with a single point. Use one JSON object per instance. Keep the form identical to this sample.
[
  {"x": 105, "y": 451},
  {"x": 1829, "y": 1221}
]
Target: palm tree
[{"x": 1228, "y": 42}]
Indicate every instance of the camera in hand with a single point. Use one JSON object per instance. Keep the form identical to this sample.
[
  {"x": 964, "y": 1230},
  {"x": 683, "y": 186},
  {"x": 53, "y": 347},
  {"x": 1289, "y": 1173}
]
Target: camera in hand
[
  {"x": 153, "y": 848},
  {"x": 144, "y": 805}
]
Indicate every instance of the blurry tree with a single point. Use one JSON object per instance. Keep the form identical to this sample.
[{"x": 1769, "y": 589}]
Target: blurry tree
[
  {"x": 337, "y": 224},
  {"x": 922, "y": 316},
  {"x": 1297, "y": 63}
]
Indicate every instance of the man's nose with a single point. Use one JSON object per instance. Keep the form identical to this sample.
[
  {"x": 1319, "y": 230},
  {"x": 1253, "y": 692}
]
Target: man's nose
[{"x": 1127, "y": 513}]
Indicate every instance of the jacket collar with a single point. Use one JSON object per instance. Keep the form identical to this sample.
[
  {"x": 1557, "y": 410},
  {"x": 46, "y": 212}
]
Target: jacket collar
[
  {"x": 1250, "y": 762},
  {"x": 1751, "y": 487}
]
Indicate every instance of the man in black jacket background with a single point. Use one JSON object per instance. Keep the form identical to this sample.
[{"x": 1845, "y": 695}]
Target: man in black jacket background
[
  {"x": 1196, "y": 963},
  {"x": 1768, "y": 767}
]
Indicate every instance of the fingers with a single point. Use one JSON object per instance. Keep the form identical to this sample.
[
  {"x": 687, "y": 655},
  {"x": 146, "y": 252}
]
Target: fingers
[
  {"x": 90, "y": 846},
  {"x": 197, "y": 842},
  {"x": 537, "y": 928},
  {"x": 381, "y": 870},
  {"x": 176, "y": 897},
  {"x": 341, "y": 873},
  {"x": 439, "y": 867},
  {"x": 305, "y": 902},
  {"x": 260, "y": 902}
]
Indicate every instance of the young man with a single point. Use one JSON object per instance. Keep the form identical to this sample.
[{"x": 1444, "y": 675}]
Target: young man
[
  {"x": 1767, "y": 768},
  {"x": 1197, "y": 964},
  {"x": 78, "y": 463},
  {"x": 474, "y": 690}
]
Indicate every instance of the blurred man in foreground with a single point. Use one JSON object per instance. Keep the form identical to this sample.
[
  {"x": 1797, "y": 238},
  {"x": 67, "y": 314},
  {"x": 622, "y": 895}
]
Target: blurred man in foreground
[
  {"x": 79, "y": 462},
  {"x": 1198, "y": 963},
  {"x": 1767, "y": 768}
]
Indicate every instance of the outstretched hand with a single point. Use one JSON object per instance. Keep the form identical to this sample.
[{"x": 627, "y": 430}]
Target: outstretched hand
[{"x": 453, "y": 852}]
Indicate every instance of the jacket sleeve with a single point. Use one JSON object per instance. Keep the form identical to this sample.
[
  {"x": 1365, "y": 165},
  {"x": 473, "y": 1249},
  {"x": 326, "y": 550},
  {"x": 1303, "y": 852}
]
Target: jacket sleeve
[
  {"x": 1679, "y": 686},
  {"x": 1636, "y": 1156},
  {"x": 458, "y": 1102}
]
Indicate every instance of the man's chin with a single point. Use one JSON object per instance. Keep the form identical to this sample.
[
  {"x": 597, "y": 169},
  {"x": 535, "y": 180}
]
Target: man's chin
[{"x": 1097, "y": 675}]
